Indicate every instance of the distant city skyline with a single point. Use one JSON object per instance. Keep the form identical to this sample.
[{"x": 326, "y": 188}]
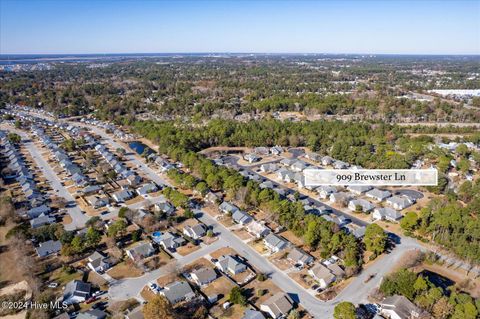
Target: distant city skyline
[{"x": 351, "y": 27}]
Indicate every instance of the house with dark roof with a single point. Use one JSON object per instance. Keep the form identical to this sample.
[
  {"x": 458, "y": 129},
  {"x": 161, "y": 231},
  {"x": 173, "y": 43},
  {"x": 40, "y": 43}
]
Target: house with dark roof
[
  {"x": 37, "y": 211},
  {"x": 41, "y": 221},
  {"x": 48, "y": 248}
]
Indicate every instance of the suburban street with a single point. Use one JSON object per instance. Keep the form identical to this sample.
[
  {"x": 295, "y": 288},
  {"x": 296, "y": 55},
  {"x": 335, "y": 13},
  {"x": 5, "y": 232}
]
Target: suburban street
[{"x": 78, "y": 219}]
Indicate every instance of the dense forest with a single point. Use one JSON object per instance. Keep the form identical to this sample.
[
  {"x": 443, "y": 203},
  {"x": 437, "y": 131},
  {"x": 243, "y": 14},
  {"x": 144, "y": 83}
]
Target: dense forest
[{"x": 225, "y": 87}]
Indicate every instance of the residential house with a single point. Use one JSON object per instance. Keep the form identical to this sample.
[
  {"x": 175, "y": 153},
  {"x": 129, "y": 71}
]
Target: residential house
[
  {"x": 92, "y": 314},
  {"x": 299, "y": 257},
  {"x": 140, "y": 251},
  {"x": 360, "y": 204},
  {"x": 37, "y": 211},
  {"x": 48, "y": 248},
  {"x": 340, "y": 165},
  {"x": 228, "y": 208},
  {"x": 212, "y": 198},
  {"x": 41, "y": 221},
  {"x": 177, "y": 291},
  {"x": 278, "y": 306},
  {"x": 203, "y": 276},
  {"x": 326, "y": 160},
  {"x": 359, "y": 189},
  {"x": 242, "y": 218},
  {"x": 122, "y": 195},
  {"x": 386, "y": 213},
  {"x": 146, "y": 189},
  {"x": 98, "y": 262},
  {"x": 196, "y": 231},
  {"x": 399, "y": 307},
  {"x": 324, "y": 191},
  {"x": 400, "y": 202},
  {"x": 266, "y": 184},
  {"x": 134, "y": 180},
  {"x": 258, "y": 229},
  {"x": 97, "y": 201},
  {"x": 76, "y": 291},
  {"x": 276, "y": 150},
  {"x": 298, "y": 166},
  {"x": 170, "y": 241},
  {"x": 313, "y": 156},
  {"x": 378, "y": 194},
  {"x": 275, "y": 243},
  {"x": 230, "y": 264},
  {"x": 322, "y": 275},
  {"x": 252, "y": 314},
  {"x": 164, "y": 207},
  {"x": 261, "y": 150},
  {"x": 251, "y": 157},
  {"x": 340, "y": 198}
]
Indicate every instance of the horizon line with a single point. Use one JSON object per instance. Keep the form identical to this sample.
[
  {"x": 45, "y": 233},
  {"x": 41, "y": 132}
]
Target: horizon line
[{"x": 240, "y": 52}]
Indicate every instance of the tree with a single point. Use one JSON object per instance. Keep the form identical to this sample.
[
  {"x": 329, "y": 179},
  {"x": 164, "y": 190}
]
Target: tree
[
  {"x": 236, "y": 296},
  {"x": 294, "y": 314},
  {"x": 14, "y": 138},
  {"x": 158, "y": 307},
  {"x": 375, "y": 239},
  {"x": 344, "y": 310},
  {"x": 409, "y": 221},
  {"x": 92, "y": 237},
  {"x": 442, "y": 309},
  {"x": 118, "y": 227}
]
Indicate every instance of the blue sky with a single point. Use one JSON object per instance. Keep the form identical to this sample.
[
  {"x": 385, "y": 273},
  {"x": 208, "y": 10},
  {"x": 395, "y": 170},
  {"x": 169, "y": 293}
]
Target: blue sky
[{"x": 397, "y": 27}]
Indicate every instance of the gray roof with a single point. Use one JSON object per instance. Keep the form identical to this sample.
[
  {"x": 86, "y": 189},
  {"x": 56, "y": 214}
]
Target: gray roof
[
  {"x": 48, "y": 247},
  {"x": 279, "y": 304},
  {"x": 226, "y": 206},
  {"x": 401, "y": 305},
  {"x": 297, "y": 255},
  {"x": 141, "y": 250},
  {"x": 241, "y": 217},
  {"x": 275, "y": 241},
  {"x": 41, "y": 220},
  {"x": 205, "y": 275},
  {"x": 231, "y": 263},
  {"x": 92, "y": 314},
  {"x": 252, "y": 314},
  {"x": 177, "y": 291},
  {"x": 77, "y": 288}
]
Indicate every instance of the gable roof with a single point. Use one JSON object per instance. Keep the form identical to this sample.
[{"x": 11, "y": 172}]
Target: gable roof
[
  {"x": 279, "y": 304},
  {"x": 275, "y": 241}
]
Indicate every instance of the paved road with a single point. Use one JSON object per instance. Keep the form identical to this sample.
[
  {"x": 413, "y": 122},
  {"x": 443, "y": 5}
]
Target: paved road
[
  {"x": 234, "y": 161},
  {"x": 131, "y": 287},
  {"x": 131, "y": 156},
  {"x": 356, "y": 292},
  {"x": 78, "y": 219}
]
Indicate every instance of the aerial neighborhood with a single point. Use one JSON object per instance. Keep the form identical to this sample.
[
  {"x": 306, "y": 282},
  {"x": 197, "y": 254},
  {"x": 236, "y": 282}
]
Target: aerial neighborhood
[{"x": 118, "y": 212}]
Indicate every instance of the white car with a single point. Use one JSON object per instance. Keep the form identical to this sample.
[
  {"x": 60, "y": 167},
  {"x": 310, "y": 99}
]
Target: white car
[{"x": 53, "y": 285}]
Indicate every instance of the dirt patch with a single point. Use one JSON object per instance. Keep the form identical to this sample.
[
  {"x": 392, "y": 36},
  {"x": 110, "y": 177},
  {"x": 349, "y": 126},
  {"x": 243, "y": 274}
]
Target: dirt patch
[
  {"x": 303, "y": 278},
  {"x": 187, "y": 249},
  {"x": 223, "y": 251},
  {"x": 124, "y": 270},
  {"x": 268, "y": 289},
  {"x": 221, "y": 287}
]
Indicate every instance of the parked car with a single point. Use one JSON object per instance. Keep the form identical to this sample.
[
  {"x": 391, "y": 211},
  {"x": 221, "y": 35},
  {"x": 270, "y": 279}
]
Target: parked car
[{"x": 53, "y": 285}]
